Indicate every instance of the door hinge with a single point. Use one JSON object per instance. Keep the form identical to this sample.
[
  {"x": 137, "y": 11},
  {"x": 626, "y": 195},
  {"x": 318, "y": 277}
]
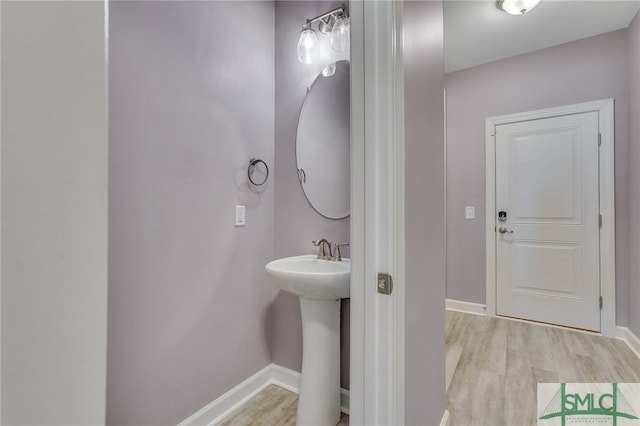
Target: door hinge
[
  {"x": 385, "y": 283},
  {"x": 600, "y": 302},
  {"x": 599, "y": 221},
  {"x": 599, "y": 139}
]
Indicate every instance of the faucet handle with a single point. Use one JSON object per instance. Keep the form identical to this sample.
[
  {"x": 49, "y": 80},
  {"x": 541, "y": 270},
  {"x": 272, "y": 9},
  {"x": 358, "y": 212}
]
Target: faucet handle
[
  {"x": 337, "y": 250},
  {"x": 318, "y": 243}
]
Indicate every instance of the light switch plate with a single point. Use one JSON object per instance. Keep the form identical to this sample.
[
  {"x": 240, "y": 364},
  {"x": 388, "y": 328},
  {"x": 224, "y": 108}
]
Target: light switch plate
[
  {"x": 470, "y": 212},
  {"x": 240, "y": 215}
]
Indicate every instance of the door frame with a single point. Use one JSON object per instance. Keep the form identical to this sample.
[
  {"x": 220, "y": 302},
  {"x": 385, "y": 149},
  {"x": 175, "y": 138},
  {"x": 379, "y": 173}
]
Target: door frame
[
  {"x": 605, "y": 109},
  {"x": 377, "y": 213}
]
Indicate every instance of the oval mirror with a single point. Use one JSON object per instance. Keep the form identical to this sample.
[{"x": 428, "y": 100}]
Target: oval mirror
[{"x": 322, "y": 143}]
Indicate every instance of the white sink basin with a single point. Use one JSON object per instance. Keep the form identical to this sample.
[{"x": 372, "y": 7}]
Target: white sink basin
[
  {"x": 311, "y": 278},
  {"x": 320, "y": 285}
]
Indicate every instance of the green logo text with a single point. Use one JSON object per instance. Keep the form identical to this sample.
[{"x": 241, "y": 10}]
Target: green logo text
[{"x": 612, "y": 404}]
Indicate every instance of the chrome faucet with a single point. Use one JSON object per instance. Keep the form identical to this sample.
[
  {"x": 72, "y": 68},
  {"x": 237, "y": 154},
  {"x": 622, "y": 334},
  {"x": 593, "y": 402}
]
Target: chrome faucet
[
  {"x": 324, "y": 249},
  {"x": 326, "y": 253}
]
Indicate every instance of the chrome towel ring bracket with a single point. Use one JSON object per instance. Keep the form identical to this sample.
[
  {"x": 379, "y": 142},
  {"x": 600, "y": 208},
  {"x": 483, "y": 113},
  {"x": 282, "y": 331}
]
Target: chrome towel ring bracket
[{"x": 253, "y": 164}]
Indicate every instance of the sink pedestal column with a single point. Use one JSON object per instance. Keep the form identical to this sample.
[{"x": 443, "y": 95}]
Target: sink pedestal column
[{"x": 319, "y": 399}]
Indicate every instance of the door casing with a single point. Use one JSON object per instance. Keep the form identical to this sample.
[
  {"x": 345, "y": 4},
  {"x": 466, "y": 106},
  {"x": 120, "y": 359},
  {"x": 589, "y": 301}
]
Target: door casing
[
  {"x": 377, "y": 213},
  {"x": 605, "y": 109}
]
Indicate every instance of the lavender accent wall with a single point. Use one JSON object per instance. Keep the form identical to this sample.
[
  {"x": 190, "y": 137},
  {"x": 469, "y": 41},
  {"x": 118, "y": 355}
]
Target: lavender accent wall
[
  {"x": 633, "y": 34},
  {"x": 585, "y": 70},
  {"x": 191, "y": 100},
  {"x": 424, "y": 213},
  {"x": 296, "y": 223}
]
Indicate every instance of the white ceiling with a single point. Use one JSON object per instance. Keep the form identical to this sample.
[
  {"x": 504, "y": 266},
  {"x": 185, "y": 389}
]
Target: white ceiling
[{"x": 477, "y": 32}]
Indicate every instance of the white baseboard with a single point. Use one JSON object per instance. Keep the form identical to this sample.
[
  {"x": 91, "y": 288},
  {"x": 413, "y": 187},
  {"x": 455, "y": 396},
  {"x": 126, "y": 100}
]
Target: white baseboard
[
  {"x": 445, "y": 418},
  {"x": 285, "y": 378},
  {"x": 344, "y": 400},
  {"x": 272, "y": 374},
  {"x": 627, "y": 336},
  {"x": 231, "y": 400},
  {"x": 465, "y": 307}
]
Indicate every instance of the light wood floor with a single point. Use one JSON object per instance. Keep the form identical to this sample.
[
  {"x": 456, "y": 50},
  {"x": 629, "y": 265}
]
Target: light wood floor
[
  {"x": 492, "y": 368},
  {"x": 494, "y": 365},
  {"x": 273, "y": 406}
]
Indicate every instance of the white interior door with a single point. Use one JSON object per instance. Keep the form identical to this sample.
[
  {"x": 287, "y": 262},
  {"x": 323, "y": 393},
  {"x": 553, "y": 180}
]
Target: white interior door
[{"x": 547, "y": 246}]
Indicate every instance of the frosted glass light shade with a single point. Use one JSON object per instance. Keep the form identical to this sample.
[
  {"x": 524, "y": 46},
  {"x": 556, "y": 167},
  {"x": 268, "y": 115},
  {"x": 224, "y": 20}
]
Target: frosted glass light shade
[
  {"x": 517, "y": 7},
  {"x": 329, "y": 70},
  {"x": 308, "y": 49},
  {"x": 340, "y": 34}
]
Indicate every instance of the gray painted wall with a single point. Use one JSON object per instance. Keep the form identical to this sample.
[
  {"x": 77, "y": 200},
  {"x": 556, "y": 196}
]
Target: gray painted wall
[
  {"x": 189, "y": 301},
  {"x": 585, "y": 70},
  {"x": 54, "y": 213},
  {"x": 634, "y": 175},
  {"x": 424, "y": 214},
  {"x": 296, "y": 223}
]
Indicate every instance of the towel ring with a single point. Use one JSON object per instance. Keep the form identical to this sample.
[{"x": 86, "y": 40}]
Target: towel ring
[{"x": 253, "y": 162}]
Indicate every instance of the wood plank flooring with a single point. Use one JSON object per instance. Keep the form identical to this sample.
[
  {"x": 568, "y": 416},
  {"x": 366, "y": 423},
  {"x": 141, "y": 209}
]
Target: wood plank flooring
[
  {"x": 273, "y": 406},
  {"x": 494, "y": 365}
]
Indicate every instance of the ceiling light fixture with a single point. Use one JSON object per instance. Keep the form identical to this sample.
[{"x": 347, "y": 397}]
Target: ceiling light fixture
[
  {"x": 335, "y": 22},
  {"x": 516, "y": 7}
]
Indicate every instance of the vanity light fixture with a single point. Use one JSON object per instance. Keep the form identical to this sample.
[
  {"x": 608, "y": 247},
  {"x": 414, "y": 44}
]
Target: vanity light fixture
[
  {"x": 329, "y": 70},
  {"x": 516, "y": 7},
  {"x": 335, "y": 22},
  {"x": 340, "y": 34},
  {"x": 308, "y": 49}
]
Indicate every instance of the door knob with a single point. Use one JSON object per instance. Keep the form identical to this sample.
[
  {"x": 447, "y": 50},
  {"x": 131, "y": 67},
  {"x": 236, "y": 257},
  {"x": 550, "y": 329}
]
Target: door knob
[{"x": 504, "y": 230}]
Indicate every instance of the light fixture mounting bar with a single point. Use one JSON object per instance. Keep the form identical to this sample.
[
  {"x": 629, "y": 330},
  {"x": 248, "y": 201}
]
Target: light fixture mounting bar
[{"x": 342, "y": 9}]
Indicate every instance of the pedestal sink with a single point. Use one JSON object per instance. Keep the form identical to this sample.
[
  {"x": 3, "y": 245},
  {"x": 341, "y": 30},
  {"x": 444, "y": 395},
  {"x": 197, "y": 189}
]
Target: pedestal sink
[{"x": 320, "y": 284}]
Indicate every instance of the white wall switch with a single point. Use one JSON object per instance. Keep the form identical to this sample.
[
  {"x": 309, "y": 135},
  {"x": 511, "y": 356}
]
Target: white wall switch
[
  {"x": 240, "y": 215},
  {"x": 470, "y": 212}
]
